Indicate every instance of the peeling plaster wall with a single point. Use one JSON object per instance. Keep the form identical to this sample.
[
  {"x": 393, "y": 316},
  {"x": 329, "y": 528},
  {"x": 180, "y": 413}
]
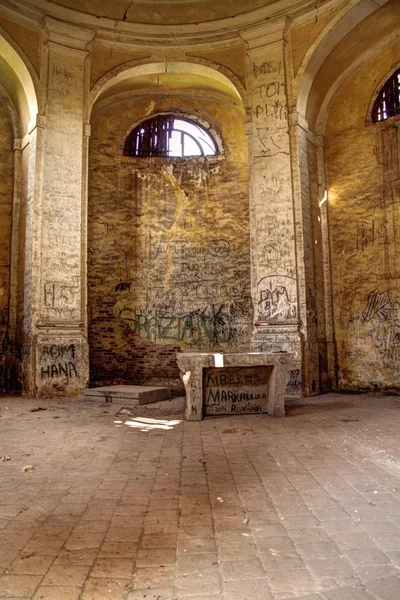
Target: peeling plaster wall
[
  {"x": 169, "y": 256},
  {"x": 364, "y": 204},
  {"x": 6, "y": 195}
]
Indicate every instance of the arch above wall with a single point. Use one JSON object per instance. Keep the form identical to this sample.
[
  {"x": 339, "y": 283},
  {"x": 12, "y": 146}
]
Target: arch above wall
[
  {"x": 18, "y": 84},
  {"x": 156, "y": 76},
  {"x": 353, "y": 37}
]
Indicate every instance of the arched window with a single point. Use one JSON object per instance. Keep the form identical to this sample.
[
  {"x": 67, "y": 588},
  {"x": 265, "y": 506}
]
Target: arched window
[
  {"x": 169, "y": 136},
  {"x": 387, "y": 103}
]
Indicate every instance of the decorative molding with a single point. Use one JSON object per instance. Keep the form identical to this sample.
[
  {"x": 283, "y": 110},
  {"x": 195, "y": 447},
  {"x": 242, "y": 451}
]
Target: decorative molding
[
  {"x": 67, "y": 35},
  {"x": 66, "y": 49},
  {"x": 132, "y": 33},
  {"x": 87, "y": 130},
  {"x": 267, "y": 35}
]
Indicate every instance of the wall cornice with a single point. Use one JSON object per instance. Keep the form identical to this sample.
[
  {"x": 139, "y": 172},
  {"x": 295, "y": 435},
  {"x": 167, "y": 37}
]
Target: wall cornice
[{"x": 223, "y": 30}]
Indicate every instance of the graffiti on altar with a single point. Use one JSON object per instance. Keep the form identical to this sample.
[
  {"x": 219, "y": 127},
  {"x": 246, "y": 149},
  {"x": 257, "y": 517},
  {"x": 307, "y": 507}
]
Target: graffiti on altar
[
  {"x": 277, "y": 298},
  {"x": 58, "y": 361},
  {"x": 294, "y": 379}
]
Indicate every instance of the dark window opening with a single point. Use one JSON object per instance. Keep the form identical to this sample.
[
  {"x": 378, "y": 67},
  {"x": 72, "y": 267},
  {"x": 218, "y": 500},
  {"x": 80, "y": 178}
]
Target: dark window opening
[
  {"x": 387, "y": 103},
  {"x": 169, "y": 136}
]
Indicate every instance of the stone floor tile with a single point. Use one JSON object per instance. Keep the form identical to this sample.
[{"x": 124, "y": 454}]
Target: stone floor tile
[
  {"x": 84, "y": 557},
  {"x": 155, "y": 557},
  {"x": 288, "y": 561},
  {"x": 105, "y": 589},
  {"x": 162, "y": 593},
  {"x": 112, "y": 568},
  {"x": 330, "y": 567},
  {"x": 294, "y": 581},
  {"x": 18, "y": 585},
  {"x": 317, "y": 550},
  {"x": 196, "y": 544},
  {"x": 43, "y": 546},
  {"x": 167, "y": 540},
  {"x": 247, "y": 590},
  {"x": 268, "y": 530},
  {"x": 347, "y": 593},
  {"x": 242, "y": 569},
  {"x": 72, "y": 575},
  {"x": 236, "y": 551},
  {"x": 49, "y": 592},
  {"x": 70, "y": 509},
  {"x": 353, "y": 541},
  {"x": 188, "y": 563},
  {"x": 154, "y": 577},
  {"x": 385, "y": 589},
  {"x": 373, "y": 572},
  {"x": 276, "y": 545},
  {"x": 367, "y": 556},
  {"x": 119, "y": 549},
  {"x": 191, "y": 531},
  {"x": 198, "y": 584},
  {"x": 92, "y": 526},
  {"x": 123, "y": 534},
  {"x": 84, "y": 539},
  {"x": 35, "y": 564}
]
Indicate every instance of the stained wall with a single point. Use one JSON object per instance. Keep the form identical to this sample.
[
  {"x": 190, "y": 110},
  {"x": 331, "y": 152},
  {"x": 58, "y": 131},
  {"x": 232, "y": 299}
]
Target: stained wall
[
  {"x": 168, "y": 248},
  {"x": 362, "y": 166},
  {"x": 6, "y": 196}
]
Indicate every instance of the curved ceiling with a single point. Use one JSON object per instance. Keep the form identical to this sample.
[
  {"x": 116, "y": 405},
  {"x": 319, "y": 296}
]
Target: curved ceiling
[
  {"x": 156, "y": 78},
  {"x": 162, "y": 12}
]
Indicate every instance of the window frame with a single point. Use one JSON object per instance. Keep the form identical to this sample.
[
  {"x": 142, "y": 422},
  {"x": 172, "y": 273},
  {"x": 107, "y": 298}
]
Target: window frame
[
  {"x": 390, "y": 121},
  {"x": 197, "y": 121}
]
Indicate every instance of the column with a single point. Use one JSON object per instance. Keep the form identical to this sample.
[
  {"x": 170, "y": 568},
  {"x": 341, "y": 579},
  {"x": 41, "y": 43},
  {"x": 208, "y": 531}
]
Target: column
[
  {"x": 272, "y": 224},
  {"x": 60, "y": 343}
]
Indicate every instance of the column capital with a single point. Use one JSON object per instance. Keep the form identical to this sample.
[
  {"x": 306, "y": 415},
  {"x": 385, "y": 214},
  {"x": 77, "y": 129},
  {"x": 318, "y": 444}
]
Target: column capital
[
  {"x": 265, "y": 36},
  {"x": 87, "y": 130},
  {"x": 297, "y": 119},
  {"x": 67, "y": 37}
]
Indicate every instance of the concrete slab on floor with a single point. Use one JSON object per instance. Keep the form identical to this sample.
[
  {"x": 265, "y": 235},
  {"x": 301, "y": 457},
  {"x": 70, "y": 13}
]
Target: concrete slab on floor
[{"x": 128, "y": 394}]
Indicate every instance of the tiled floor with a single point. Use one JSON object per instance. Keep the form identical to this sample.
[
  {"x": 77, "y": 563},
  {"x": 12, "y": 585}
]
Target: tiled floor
[{"x": 149, "y": 507}]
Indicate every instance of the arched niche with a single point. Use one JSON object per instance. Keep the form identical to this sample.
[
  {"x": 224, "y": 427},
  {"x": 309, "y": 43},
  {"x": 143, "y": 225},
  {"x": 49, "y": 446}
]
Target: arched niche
[
  {"x": 18, "y": 111},
  {"x": 168, "y": 238},
  {"x": 362, "y": 169},
  {"x": 17, "y": 81},
  {"x": 349, "y": 41}
]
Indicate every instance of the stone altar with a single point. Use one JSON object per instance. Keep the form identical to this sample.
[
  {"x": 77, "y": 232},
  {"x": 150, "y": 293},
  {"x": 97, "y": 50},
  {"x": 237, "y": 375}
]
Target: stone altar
[{"x": 234, "y": 383}]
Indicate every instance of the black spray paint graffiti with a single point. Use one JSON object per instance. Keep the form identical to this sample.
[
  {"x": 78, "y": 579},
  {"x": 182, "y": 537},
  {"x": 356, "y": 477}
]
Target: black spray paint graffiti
[
  {"x": 371, "y": 233},
  {"x": 382, "y": 314},
  {"x": 294, "y": 379},
  {"x": 210, "y": 325},
  {"x": 62, "y": 359},
  {"x": 277, "y": 298}
]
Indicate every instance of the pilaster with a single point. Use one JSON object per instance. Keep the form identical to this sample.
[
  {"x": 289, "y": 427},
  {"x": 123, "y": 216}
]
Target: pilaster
[
  {"x": 60, "y": 352},
  {"x": 272, "y": 223}
]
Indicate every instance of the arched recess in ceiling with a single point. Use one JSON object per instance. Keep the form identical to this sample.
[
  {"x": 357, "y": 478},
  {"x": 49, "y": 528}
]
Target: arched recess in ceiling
[
  {"x": 17, "y": 82},
  {"x": 161, "y": 77},
  {"x": 353, "y": 37}
]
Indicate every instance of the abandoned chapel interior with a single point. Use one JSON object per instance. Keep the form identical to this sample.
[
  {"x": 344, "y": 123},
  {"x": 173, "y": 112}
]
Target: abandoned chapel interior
[
  {"x": 198, "y": 177},
  {"x": 200, "y": 200}
]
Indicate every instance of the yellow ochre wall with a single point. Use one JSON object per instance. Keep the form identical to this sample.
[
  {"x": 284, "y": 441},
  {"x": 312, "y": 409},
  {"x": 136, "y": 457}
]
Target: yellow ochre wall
[
  {"x": 169, "y": 253},
  {"x": 363, "y": 194}
]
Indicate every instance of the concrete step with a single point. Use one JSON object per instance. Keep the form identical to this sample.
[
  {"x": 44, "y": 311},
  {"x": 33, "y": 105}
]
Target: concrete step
[{"x": 128, "y": 394}]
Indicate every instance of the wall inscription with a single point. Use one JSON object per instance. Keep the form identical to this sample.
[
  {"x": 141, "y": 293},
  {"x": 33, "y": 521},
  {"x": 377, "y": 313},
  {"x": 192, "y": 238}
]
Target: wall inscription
[{"x": 236, "y": 390}]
